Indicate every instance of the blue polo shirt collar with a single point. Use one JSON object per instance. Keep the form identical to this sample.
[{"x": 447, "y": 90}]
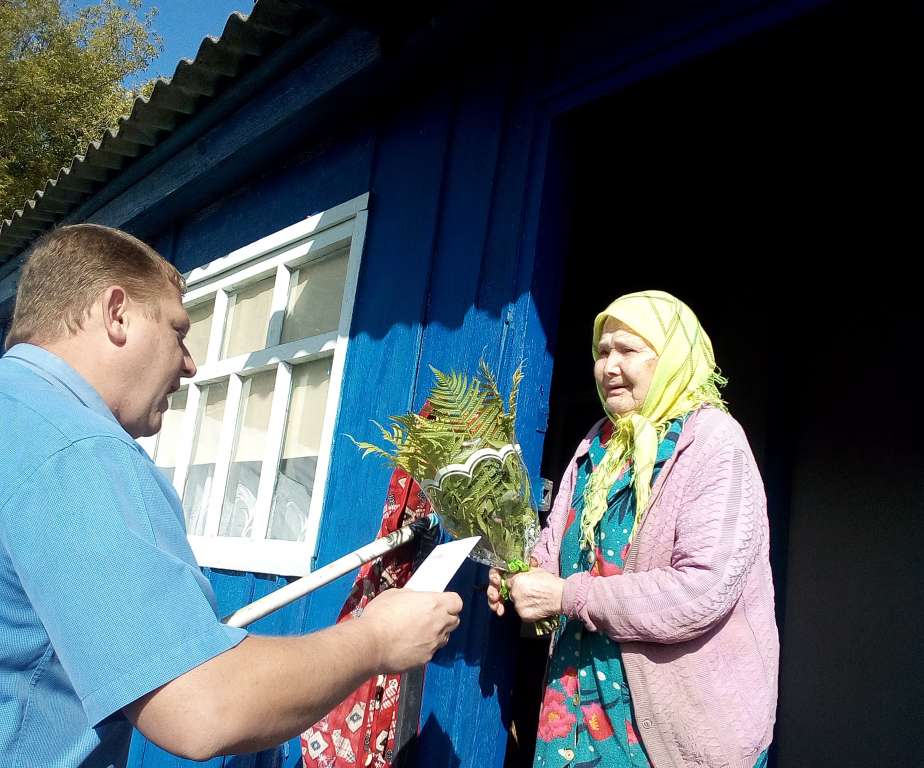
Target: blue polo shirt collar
[{"x": 61, "y": 376}]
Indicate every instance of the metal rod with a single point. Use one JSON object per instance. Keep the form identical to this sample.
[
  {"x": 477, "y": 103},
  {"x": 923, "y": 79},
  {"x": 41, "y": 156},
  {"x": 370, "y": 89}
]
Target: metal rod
[{"x": 303, "y": 586}]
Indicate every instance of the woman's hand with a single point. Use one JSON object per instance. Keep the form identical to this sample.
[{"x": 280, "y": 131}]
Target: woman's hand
[
  {"x": 536, "y": 594},
  {"x": 495, "y": 602}
]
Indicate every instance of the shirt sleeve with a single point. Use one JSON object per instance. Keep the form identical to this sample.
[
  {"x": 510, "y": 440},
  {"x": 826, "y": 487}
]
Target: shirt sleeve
[{"x": 101, "y": 551}]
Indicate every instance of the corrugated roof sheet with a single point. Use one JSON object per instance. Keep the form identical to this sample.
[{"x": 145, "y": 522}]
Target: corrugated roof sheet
[{"x": 218, "y": 62}]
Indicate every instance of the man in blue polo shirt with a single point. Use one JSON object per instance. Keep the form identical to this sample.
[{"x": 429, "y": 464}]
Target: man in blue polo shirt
[{"x": 105, "y": 619}]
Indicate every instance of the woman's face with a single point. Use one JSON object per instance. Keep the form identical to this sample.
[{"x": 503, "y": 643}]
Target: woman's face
[{"x": 624, "y": 367}]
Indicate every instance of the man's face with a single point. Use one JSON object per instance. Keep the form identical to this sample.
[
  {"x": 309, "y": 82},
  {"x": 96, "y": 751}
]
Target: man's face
[{"x": 156, "y": 359}]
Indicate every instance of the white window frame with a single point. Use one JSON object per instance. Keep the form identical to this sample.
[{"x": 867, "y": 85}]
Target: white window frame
[{"x": 279, "y": 254}]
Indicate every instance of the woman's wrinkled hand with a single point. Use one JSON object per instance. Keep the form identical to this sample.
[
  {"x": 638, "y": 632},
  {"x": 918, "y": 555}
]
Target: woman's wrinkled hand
[{"x": 536, "y": 594}]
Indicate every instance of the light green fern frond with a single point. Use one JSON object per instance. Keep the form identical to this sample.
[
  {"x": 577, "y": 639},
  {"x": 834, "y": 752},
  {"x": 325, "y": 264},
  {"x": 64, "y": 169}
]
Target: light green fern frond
[{"x": 466, "y": 413}]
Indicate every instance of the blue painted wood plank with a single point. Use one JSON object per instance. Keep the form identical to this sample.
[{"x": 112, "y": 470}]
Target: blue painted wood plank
[
  {"x": 217, "y": 111},
  {"x": 285, "y": 621},
  {"x": 385, "y": 333},
  {"x": 508, "y": 262},
  {"x": 288, "y": 192},
  {"x": 232, "y": 589},
  {"x": 237, "y": 146},
  {"x": 460, "y": 716},
  {"x": 464, "y": 217},
  {"x": 604, "y": 51},
  {"x": 152, "y": 756}
]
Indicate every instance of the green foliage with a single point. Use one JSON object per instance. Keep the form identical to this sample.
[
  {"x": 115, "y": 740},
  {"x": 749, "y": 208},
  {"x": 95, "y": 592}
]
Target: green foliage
[
  {"x": 467, "y": 414},
  {"x": 61, "y": 76},
  {"x": 493, "y": 504}
]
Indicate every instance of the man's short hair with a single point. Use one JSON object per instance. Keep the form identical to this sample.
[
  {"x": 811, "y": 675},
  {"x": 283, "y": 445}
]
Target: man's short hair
[{"x": 67, "y": 270}]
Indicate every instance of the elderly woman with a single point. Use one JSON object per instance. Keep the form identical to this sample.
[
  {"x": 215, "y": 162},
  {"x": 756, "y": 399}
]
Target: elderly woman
[{"x": 656, "y": 559}]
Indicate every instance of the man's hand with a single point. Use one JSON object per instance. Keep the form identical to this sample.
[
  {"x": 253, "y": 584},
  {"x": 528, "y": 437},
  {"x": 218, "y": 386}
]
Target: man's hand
[
  {"x": 411, "y": 626},
  {"x": 266, "y": 690}
]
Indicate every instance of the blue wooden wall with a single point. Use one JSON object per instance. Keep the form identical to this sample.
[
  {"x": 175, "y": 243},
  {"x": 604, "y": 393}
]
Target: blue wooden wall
[
  {"x": 441, "y": 284},
  {"x": 460, "y": 262}
]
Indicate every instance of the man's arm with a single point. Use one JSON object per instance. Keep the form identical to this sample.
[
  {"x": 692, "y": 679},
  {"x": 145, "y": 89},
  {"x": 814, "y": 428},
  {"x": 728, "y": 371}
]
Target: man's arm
[{"x": 266, "y": 690}]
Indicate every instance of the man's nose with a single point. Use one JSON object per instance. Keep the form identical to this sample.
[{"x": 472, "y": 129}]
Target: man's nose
[{"x": 189, "y": 366}]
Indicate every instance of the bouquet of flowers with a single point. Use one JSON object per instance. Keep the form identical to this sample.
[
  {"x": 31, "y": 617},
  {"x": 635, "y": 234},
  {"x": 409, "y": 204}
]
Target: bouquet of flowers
[{"x": 466, "y": 459}]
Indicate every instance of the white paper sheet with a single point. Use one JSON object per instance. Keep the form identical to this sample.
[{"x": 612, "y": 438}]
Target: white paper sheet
[{"x": 435, "y": 572}]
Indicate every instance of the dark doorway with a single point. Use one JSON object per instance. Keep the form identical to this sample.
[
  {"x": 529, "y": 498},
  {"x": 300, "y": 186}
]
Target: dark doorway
[{"x": 775, "y": 186}]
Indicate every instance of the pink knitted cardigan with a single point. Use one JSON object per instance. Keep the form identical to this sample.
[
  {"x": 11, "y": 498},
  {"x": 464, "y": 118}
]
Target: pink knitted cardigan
[{"x": 693, "y": 611}]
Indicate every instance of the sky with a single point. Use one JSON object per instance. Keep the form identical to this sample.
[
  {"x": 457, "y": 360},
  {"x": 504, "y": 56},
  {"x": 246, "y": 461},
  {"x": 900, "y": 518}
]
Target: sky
[{"x": 182, "y": 24}]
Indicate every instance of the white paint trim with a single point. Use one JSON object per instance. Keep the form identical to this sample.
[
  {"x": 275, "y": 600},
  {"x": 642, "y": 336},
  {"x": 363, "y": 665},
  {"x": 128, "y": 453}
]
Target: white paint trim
[
  {"x": 311, "y": 226},
  {"x": 149, "y": 444},
  {"x": 225, "y": 452},
  {"x": 275, "y": 434},
  {"x": 281, "y": 558},
  {"x": 302, "y": 252},
  {"x": 302, "y": 350},
  {"x": 283, "y": 253},
  {"x": 217, "y": 330},
  {"x": 335, "y": 385},
  {"x": 187, "y": 438},
  {"x": 279, "y": 305}
]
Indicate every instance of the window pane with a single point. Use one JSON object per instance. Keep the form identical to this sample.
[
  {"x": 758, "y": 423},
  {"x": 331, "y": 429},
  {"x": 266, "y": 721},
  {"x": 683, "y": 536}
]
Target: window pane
[
  {"x": 289, "y": 515},
  {"x": 248, "y": 318},
  {"x": 244, "y": 473},
  {"x": 200, "y": 324},
  {"x": 315, "y": 299},
  {"x": 170, "y": 430},
  {"x": 204, "y": 456}
]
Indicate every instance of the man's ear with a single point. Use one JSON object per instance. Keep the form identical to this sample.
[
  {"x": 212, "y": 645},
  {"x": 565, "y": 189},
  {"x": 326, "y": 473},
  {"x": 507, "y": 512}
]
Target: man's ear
[{"x": 114, "y": 305}]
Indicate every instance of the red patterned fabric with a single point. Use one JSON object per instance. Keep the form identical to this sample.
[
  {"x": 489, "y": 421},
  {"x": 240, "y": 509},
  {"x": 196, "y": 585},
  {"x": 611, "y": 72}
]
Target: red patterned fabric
[{"x": 361, "y": 730}]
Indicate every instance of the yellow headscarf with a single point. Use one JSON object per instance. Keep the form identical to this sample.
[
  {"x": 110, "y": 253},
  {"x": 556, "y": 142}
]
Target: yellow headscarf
[{"x": 684, "y": 378}]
